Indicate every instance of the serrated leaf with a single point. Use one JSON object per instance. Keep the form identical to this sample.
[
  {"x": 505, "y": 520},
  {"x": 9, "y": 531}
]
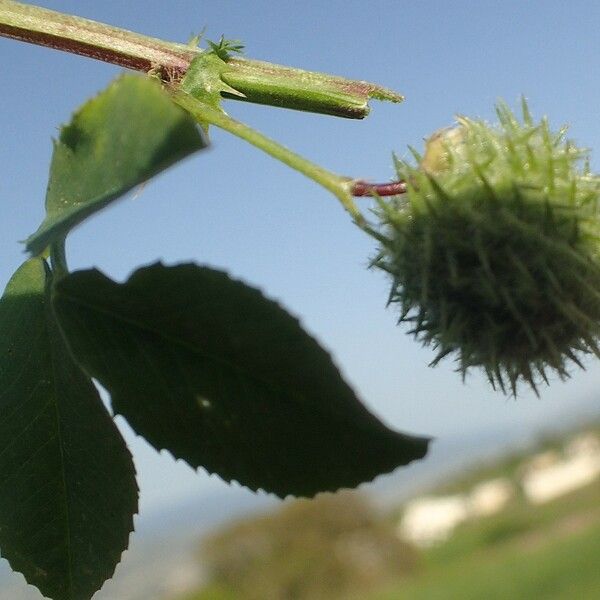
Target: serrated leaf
[
  {"x": 115, "y": 141},
  {"x": 211, "y": 370},
  {"x": 67, "y": 482}
]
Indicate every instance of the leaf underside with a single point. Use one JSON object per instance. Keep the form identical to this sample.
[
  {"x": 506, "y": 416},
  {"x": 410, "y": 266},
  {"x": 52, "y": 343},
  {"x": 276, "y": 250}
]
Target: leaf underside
[
  {"x": 129, "y": 132},
  {"x": 67, "y": 481},
  {"x": 211, "y": 370}
]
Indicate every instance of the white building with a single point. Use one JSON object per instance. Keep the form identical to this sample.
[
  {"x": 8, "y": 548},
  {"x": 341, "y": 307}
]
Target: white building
[
  {"x": 544, "y": 481},
  {"x": 489, "y": 497},
  {"x": 429, "y": 520}
]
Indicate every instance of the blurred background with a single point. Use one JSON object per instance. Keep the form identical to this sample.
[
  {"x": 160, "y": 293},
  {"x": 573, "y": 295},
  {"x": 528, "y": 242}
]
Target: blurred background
[{"x": 507, "y": 501}]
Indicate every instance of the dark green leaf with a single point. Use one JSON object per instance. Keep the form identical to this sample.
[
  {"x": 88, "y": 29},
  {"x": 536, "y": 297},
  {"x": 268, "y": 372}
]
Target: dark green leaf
[
  {"x": 209, "y": 369},
  {"x": 119, "y": 139},
  {"x": 67, "y": 482}
]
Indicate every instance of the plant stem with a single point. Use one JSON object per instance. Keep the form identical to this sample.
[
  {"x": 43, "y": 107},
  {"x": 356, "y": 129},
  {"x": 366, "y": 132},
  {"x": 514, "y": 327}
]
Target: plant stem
[
  {"x": 58, "y": 259},
  {"x": 340, "y": 186},
  {"x": 259, "y": 82},
  {"x": 364, "y": 188},
  {"x": 278, "y": 85},
  {"x": 89, "y": 38},
  {"x": 256, "y": 81}
]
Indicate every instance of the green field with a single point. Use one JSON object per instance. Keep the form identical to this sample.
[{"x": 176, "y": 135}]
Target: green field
[
  {"x": 562, "y": 569},
  {"x": 525, "y": 552},
  {"x": 530, "y": 553}
]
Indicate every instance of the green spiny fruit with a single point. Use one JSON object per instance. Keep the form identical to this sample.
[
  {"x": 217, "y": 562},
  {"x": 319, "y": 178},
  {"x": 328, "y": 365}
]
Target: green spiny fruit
[{"x": 494, "y": 249}]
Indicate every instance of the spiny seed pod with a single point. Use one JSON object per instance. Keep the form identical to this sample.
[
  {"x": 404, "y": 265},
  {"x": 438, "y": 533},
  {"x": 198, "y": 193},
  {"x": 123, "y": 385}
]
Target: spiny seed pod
[{"x": 494, "y": 250}]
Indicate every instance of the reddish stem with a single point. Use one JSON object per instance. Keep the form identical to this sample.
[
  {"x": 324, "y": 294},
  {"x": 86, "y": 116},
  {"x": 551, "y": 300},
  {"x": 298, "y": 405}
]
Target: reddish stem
[
  {"x": 172, "y": 65},
  {"x": 364, "y": 188}
]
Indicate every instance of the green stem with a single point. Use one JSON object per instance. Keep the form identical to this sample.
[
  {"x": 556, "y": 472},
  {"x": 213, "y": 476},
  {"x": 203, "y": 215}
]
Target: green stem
[
  {"x": 257, "y": 81},
  {"x": 339, "y": 186},
  {"x": 278, "y": 85},
  {"x": 58, "y": 259}
]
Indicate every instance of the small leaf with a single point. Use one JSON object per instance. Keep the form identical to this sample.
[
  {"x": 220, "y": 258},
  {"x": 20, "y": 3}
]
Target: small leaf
[
  {"x": 115, "y": 141},
  {"x": 224, "y": 48},
  {"x": 209, "y": 369},
  {"x": 67, "y": 482}
]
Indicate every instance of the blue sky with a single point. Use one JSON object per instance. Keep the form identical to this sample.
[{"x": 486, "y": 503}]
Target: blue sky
[{"x": 233, "y": 208}]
